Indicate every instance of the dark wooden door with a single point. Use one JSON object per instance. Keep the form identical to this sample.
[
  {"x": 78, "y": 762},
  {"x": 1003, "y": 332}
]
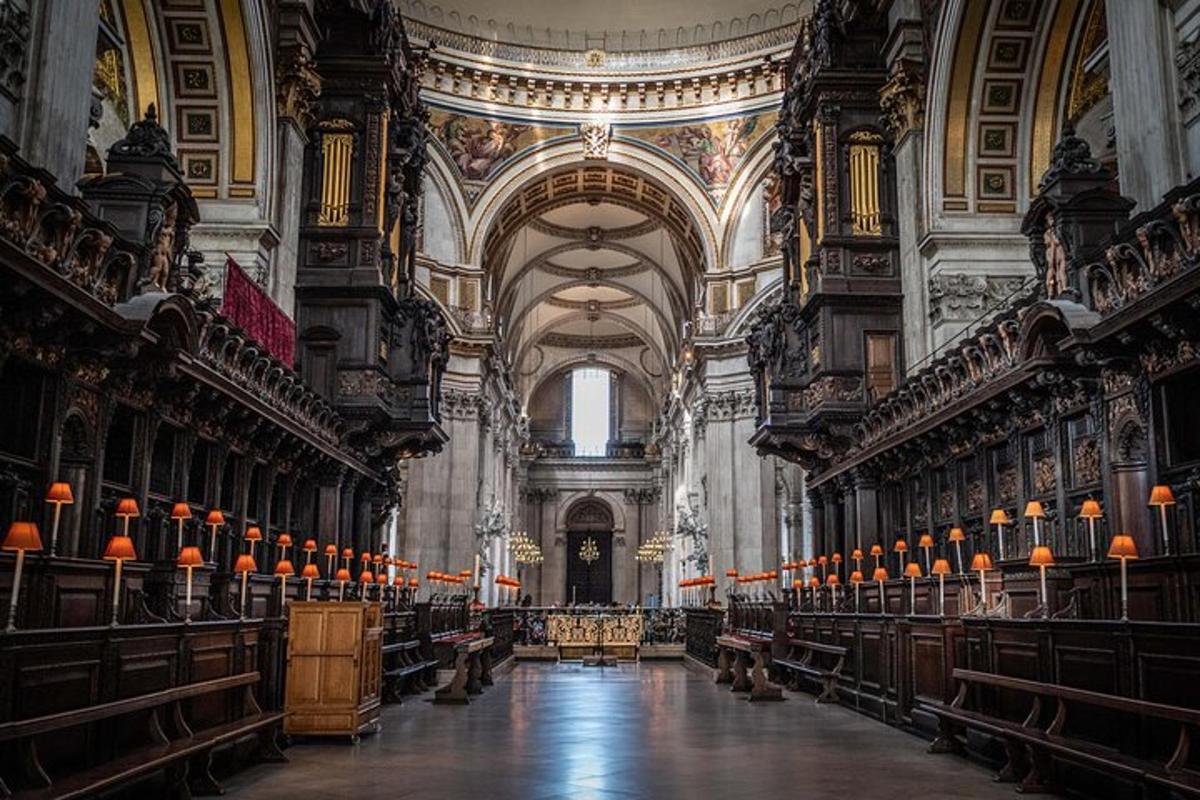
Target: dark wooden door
[{"x": 592, "y": 581}]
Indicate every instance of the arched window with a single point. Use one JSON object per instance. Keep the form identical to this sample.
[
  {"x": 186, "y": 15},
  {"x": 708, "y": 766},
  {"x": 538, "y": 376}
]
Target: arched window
[{"x": 590, "y": 410}]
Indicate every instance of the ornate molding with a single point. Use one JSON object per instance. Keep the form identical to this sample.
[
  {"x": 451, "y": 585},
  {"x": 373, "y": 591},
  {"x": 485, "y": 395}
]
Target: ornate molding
[
  {"x": 902, "y": 98},
  {"x": 297, "y": 86},
  {"x": 955, "y": 296}
]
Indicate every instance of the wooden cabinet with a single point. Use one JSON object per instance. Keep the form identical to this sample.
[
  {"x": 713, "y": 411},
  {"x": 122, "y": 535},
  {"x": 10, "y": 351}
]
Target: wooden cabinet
[{"x": 333, "y": 668}]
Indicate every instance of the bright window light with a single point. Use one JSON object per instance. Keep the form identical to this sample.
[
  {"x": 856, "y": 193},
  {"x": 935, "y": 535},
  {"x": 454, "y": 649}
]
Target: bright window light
[{"x": 589, "y": 411}]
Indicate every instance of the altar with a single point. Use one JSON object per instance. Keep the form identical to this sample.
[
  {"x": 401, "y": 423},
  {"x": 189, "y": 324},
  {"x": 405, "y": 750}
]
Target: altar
[{"x": 578, "y": 634}]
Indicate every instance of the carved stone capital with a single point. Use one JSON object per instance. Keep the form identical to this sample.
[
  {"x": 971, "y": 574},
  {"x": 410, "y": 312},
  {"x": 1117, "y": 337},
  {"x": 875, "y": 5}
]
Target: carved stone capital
[{"x": 902, "y": 98}]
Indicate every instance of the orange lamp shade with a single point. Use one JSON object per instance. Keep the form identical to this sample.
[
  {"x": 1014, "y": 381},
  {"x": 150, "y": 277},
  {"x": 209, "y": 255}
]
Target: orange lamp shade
[
  {"x": 880, "y": 574},
  {"x": 1161, "y": 496},
  {"x": 22, "y": 536},
  {"x": 120, "y": 548},
  {"x": 310, "y": 545},
  {"x": 399, "y": 581},
  {"x": 128, "y": 507},
  {"x": 414, "y": 583},
  {"x": 900, "y": 546},
  {"x": 1034, "y": 510},
  {"x": 366, "y": 577},
  {"x": 1090, "y": 510},
  {"x": 464, "y": 573},
  {"x": 1122, "y": 546},
  {"x": 731, "y": 573},
  {"x": 956, "y": 535},
  {"x": 856, "y": 555},
  {"x": 60, "y": 493},
  {"x": 999, "y": 517},
  {"x": 856, "y": 577},
  {"x": 912, "y": 570},
  {"x": 981, "y": 562},
  {"x": 245, "y": 563},
  {"x": 365, "y": 558},
  {"x": 215, "y": 517},
  {"x": 836, "y": 558},
  {"x": 331, "y": 549},
  {"x": 284, "y": 568},
  {"x": 181, "y": 511},
  {"x": 812, "y": 562},
  {"x": 940, "y": 567},
  {"x": 832, "y": 580},
  {"x": 381, "y": 579},
  {"x": 814, "y": 581},
  {"x": 348, "y": 552},
  {"x": 343, "y": 574},
  {"x": 253, "y": 534},
  {"x": 876, "y": 550},
  {"x": 822, "y": 560},
  {"x": 310, "y": 571},
  {"x": 926, "y": 540},
  {"x": 189, "y": 556},
  {"x": 378, "y": 559},
  {"x": 284, "y": 540},
  {"x": 1041, "y": 557}
]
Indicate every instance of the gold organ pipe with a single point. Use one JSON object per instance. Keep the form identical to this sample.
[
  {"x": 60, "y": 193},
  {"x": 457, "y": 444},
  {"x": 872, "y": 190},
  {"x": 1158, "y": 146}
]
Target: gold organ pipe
[{"x": 336, "y": 149}]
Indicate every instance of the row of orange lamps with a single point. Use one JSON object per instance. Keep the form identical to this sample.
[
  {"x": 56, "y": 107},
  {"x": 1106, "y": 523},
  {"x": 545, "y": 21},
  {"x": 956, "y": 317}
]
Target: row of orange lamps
[
  {"x": 510, "y": 584},
  {"x": 694, "y": 588}
]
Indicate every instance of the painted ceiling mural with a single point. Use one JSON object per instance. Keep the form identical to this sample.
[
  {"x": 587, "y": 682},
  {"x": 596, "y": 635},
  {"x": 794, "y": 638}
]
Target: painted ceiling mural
[
  {"x": 712, "y": 150},
  {"x": 479, "y": 146}
]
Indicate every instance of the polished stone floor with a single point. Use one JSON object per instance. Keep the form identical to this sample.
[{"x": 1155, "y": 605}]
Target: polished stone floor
[{"x": 656, "y": 731}]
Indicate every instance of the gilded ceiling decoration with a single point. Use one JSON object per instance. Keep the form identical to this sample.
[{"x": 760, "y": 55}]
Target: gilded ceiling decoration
[{"x": 711, "y": 150}]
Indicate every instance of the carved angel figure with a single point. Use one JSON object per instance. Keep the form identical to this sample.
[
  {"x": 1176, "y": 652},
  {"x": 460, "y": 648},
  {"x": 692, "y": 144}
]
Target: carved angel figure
[
  {"x": 163, "y": 252},
  {"x": 1056, "y": 260}
]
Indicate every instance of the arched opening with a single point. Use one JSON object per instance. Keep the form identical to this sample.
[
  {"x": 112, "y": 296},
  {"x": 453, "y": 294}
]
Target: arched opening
[{"x": 589, "y": 552}]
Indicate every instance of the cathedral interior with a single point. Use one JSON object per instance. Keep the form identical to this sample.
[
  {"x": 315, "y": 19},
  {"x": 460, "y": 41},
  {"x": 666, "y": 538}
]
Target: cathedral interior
[{"x": 449, "y": 399}]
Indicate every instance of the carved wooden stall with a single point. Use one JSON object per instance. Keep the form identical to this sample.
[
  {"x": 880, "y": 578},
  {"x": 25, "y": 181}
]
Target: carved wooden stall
[{"x": 122, "y": 376}]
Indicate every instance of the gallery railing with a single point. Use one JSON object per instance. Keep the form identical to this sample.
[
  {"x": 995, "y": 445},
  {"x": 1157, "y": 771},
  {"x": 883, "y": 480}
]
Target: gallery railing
[{"x": 660, "y": 625}]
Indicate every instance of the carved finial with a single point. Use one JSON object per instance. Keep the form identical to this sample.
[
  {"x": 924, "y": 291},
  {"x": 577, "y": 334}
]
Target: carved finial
[
  {"x": 145, "y": 138},
  {"x": 1071, "y": 156}
]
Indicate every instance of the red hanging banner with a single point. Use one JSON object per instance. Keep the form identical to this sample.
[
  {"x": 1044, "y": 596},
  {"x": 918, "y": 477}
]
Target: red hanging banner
[{"x": 249, "y": 307}]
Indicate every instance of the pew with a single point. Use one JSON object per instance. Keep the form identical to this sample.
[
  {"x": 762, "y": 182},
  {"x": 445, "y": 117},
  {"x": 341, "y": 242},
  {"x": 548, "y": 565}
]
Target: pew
[
  {"x": 1032, "y": 744},
  {"x": 820, "y": 662},
  {"x": 743, "y": 661},
  {"x": 472, "y": 669},
  {"x": 405, "y": 670},
  {"x": 153, "y": 733}
]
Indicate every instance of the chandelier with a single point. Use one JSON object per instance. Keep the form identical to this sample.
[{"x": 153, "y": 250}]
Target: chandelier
[
  {"x": 524, "y": 550},
  {"x": 588, "y": 551},
  {"x": 654, "y": 550}
]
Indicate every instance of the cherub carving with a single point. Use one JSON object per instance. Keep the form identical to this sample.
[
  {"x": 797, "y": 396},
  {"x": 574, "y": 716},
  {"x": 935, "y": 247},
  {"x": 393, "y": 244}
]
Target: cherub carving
[{"x": 164, "y": 250}]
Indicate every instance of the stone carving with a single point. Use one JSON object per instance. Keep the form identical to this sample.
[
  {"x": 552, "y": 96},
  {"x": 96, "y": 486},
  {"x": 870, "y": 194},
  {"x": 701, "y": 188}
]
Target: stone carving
[
  {"x": 297, "y": 86},
  {"x": 902, "y": 98},
  {"x": 958, "y": 296},
  {"x": 946, "y": 504},
  {"x": 360, "y": 383},
  {"x": 162, "y": 252},
  {"x": 490, "y": 527},
  {"x": 690, "y": 527},
  {"x": 1187, "y": 61},
  {"x": 595, "y": 136},
  {"x": 14, "y": 39},
  {"x": 974, "y": 501}
]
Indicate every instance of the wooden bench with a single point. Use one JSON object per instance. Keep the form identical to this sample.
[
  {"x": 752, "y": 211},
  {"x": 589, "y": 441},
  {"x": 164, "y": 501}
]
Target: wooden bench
[
  {"x": 472, "y": 670},
  {"x": 1031, "y": 744},
  {"x": 169, "y": 745},
  {"x": 742, "y": 661},
  {"x": 821, "y": 662},
  {"x": 405, "y": 671}
]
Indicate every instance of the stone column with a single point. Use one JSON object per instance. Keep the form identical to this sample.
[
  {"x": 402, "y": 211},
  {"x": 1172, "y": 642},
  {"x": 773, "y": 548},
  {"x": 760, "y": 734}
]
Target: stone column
[
  {"x": 55, "y": 102},
  {"x": 1145, "y": 110},
  {"x": 554, "y": 553},
  {"x": 902, "y": 101}
]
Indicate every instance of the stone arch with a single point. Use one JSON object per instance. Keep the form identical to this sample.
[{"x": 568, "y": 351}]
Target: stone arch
[{"x": 610, "y": 499}]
